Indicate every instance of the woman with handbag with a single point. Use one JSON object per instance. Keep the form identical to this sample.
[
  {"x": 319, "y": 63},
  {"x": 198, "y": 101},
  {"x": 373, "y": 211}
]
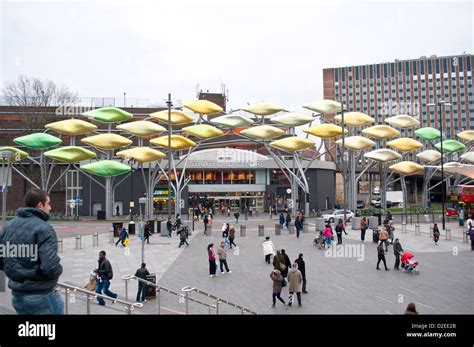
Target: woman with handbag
[{"x": 277, "y": 280}]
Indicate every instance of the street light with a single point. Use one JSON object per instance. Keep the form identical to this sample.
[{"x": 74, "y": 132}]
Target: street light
[{"x": 443, "y": 190}]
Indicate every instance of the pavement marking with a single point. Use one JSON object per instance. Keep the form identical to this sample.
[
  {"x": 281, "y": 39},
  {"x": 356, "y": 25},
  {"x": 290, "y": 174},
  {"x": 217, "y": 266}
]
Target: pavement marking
[
  {"x": 408, "y": 290},
  {"x": 388, "y": 312},
  {"x": 430, "y": 307},
  {"x": 379, "y": 297},
  {"x": 337, "y": 273},
  {"x": 337, "y": 286}
]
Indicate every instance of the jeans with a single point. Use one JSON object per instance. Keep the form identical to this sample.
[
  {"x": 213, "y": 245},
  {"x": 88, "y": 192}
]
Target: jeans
[
  {"x": 290, "y": 298},
  {"x": 277, "y": 295},
  {"x": 397, "y": 261},
  {"x": 50, "y": 303},
  {"x": 232, "y": 242},
  {"x": 436, "y": 237},
  {"x": 226, "y": 241},
  {"x": 212, "y": 267},
  {"x": 304, "y": 284},
  {"x": 267, "y": 258},
  {"x": 142, "y": 289},
  {"x": 339, "y": 238},
  {"x": 182, "y": 242},
  {"x": 103, "y": 285},
  {"x": 298, "y": 230},
  {"x": 362, "y": 234},
  {"x": 222, "y": 263},
  {"x": 382, "y": 258}
]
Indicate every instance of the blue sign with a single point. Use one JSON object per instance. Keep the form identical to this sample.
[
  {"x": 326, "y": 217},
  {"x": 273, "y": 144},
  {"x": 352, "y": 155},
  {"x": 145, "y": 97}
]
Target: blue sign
[{"x": 78, "y": 199}]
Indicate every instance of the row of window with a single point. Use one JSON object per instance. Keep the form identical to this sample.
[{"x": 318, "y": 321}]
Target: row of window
[{"x": 411, "y": 68}]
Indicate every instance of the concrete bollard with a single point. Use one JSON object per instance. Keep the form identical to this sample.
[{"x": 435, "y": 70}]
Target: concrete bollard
[
  {"x": 277, "y": 229},
  {"x": 292, "y": 229},
  {"x": 209, "y": 230},
  {"x": 448, "y": 234},
  {"x": 404, "y": 227},
  {"x": 305, "y": 227},
  {"x": 417, "y": 229},
  {"x": 464, "y": 236},
  {"x": 431, "y": 232},
  {"x": 95, "y": 239},
  {"x": 60, "y": 245},
  {"x": 261, "y": 230},
  {"x": 78, "y": 242},
  {"x": 243, "y": 230}
]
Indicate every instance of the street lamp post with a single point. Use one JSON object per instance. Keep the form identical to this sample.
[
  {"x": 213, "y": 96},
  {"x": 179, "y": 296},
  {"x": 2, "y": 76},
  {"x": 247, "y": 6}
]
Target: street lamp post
[
  {"x": 169, "y": 104},
  {"x": 5, "y": 165},
  {"x": 443, "y": 189}
]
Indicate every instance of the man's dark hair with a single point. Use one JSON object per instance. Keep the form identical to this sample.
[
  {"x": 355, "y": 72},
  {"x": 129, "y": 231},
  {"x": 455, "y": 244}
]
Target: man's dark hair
[
  {"x": 103, "y": 253},
  {"x": 143, "y": 265},
  {"x": 34, "y": 197}
]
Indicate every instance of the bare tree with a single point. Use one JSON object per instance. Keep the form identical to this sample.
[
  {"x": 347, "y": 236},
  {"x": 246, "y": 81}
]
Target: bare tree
[{"x": 26, "y": 91}]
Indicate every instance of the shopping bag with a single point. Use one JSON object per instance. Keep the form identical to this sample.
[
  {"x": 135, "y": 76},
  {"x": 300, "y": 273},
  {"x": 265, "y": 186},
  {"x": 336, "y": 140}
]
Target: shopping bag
[
  {"x": 126, "y": 242},
  {"x": 90, "y": 286}
]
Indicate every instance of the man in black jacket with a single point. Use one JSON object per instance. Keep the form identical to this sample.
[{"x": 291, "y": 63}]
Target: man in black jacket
[
  {"x": 302, "y": 268},
  {"x": 33, "y": 277},
  {"x": 397, "y": 250},
  {"x": 142, "y": 273},
  {"x": 104, "y": 275}
]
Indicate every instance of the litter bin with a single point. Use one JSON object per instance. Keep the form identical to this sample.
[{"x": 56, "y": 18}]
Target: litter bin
[
  {"x": 151, "y": 291},
  {"x": 151, "y": 223},
  {"x": 117, "y": 226},
  {"x": 461, "y": 222},
  {"x": 356, "y": 223},
  {"x": 100, "y": 215},
  {"x": 277, "y": 229},
  {"x": 319, "y": 224},
  {"x": 375, "y": 235},
  {"x": 131, "y": 228}
]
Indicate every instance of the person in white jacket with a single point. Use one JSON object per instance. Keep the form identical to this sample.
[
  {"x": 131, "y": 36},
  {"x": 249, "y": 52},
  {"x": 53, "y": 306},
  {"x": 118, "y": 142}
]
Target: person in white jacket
[{"x": 269, "y": 249}]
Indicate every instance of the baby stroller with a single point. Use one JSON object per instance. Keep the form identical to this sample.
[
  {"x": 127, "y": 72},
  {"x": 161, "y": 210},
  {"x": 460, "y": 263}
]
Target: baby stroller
[
  {"x": 319, "y": 240},
  {"x": 409, "y": 263}
]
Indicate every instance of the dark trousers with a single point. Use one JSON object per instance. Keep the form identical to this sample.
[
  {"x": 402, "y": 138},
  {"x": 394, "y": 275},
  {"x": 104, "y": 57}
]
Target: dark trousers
[
  {"x": 472, "y": 245},
  {"x": 232, "y": 242},
  {"x": 298, "y": 295},
  {"x": 386, "y": 244},
  {"x": 362, "y": 234},
  {"x": 436, "y": 237},
  {"x": 304, "y": 284},
  {"x": 147, "y": 239},
  {"x": 182, "y": 242},
  {"x": 298, "y": 230},
  {"x": 212, "y": 267},
  {"x": 275, "y": 296},
  {"x": 397, "y": 261},
  {"x": 222, "y": 263},
  {"x": 382, "y": 258},
  {"x": 267, "y": 258},
  {"x": 142, "y": 289},
  {"x": 339, "y": 239}
]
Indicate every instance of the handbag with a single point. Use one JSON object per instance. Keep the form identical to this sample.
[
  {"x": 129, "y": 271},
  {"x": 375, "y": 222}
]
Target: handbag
[
  {"x": 90, "y": 286},
  {"x": 282, "y": 267}
]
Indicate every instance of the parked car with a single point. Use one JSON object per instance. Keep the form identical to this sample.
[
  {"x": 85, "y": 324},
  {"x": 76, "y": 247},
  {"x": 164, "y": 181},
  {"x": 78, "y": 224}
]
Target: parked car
[
  {"x": 360, "y": 204},
  {"x": 376, "y": 202},
  {"x": 338, "y": 214}
]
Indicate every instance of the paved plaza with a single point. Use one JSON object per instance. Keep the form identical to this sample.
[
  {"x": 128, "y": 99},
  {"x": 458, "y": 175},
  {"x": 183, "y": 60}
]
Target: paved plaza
[{"x": 337, "y": 284}]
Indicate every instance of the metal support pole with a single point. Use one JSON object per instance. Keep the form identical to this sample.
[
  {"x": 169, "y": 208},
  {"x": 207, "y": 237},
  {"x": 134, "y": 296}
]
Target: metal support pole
[
  {"x": 126, "y": 289},
  {"x": 66, "y": 300},
  {"x": 95, "y": 241},
  {"x": 169, "y": 104}
]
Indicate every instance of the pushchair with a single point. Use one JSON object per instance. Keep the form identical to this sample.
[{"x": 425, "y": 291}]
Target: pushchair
[
  {"x": 319, "y": 240},
  {"x": 409, "y": 263}
]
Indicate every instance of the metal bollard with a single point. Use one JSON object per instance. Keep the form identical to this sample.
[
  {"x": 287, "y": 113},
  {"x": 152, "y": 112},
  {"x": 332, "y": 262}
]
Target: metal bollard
[
  {"x": 60, "y": 245},
  {"x": 305, "y": 227},
  {"x": 464, "y": 236},
  {"x": 111, "y": 239},
  {"x": 95, "y": 239},
  {"x": 242, "y": 230},
  {"x": 417, "y": 229},
  {"x": 261, "y": 230},
  {"x": 78, "y": 242},
  {"x": 404, "y": 228},
  {"x": 209, "y": 230},
  {"x": 431, "y": 232},
  {"x": 3, "y": 279},
  {"x": 277, "y": 229},
  {"x": 448, "y": 234}
]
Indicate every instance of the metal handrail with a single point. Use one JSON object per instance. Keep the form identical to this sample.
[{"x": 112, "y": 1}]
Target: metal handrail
[
  {"x": 92, "y": 295},
  {"x": 243, "y": 310},
  {"x": 159, "y": 288}
]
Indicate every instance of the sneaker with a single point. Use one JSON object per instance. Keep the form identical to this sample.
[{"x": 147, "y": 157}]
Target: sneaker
[
  {"x": 305, "y": 292},
  {"x": 229, "y": 271},
  {"x": 299, "y": 305},
  {"x": 211, "y": 276},
  {"x": 272, "y": 306},
  {"x": 216, "y": 275},
  {"x": 223, "y": 272},
  {"x": 387, "y": 269},
  {"x": 378, "y": 269}
]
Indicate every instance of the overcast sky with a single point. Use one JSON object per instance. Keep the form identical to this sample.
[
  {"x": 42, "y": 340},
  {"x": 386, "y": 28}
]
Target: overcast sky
[{"x": 261, "y": 50}]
